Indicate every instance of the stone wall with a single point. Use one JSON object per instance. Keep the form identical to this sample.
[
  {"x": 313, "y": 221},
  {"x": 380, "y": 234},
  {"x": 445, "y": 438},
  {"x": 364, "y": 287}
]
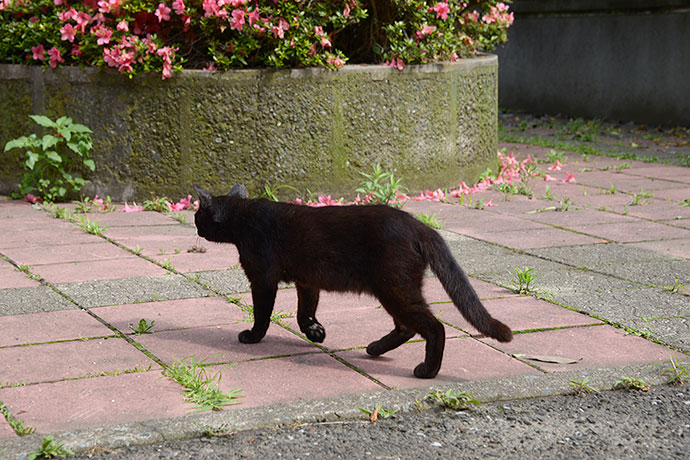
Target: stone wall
[
  {"x": 434, "y": 125},
  {"x": 616, "y": 59}
]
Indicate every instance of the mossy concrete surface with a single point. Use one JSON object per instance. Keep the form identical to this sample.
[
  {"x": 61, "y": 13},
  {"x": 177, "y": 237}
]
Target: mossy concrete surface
[{"x": 433, "y": 125}]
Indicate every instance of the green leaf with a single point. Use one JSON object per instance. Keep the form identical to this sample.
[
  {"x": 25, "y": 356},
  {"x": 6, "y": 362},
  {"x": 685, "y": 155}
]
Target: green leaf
[
  {"x": 77, "y": 128},
  {"x": 43, "y": 121},
  {"x": 90, "y": 164},
  {"x": 66, "y": 133},
  {"x": 31, "y": 160},
  {"x": 20, "y": 142},
  {"x": 54, "y": 156},
  {"x": 49, "y": 141}
]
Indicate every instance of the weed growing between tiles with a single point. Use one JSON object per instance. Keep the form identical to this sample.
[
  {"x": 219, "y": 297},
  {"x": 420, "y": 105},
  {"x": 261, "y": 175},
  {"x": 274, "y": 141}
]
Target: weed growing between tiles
[
  {"x": 50, "y": 449},
  {"x": 16, "y": 424},
  {"x": 201, "y": 388}
]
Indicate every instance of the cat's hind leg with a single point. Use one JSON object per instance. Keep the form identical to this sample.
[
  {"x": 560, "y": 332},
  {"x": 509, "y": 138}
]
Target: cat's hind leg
[
  {"x": 416, "y": 316},
  {"x": 264, "y": 297},
  {"x": 307, "y": 301},
  {"x": 392, "y": 340}
]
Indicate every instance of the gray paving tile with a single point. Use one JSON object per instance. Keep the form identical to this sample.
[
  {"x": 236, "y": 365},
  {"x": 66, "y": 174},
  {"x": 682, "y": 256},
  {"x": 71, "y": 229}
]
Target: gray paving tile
[{"x": 19, "y": 301}]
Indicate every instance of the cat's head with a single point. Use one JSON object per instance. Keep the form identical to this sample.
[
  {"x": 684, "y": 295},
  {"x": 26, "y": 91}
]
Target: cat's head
[{"x": 213, "y": 214}]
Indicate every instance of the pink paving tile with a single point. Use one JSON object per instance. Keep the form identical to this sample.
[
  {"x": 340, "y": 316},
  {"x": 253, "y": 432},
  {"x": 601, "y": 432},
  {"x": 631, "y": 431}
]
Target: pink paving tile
[
  {"x": 677, "y": 194},
  {"x": 626, "y": 232},
  {"x": 91, "y": 402},
  {"x": 122, "y": 267},
  {"x": 543, "y": 238},
  {"x": 172, "y": 314},
  {"x": 434, "y": 292},
  {"x": 625, "y": 183},
  {"x": 595, "y": 347},
  {"x": 685, "y": 223},
  {"x": 676, "y": 248},
  {"x": 597, "y": 200},
  {"x": 520, "y": 313},
  {"x": 489, "y": 223},
  {"x": 6, "y": 431},
  {"x": 10, "y": 277},
  {"x": 659, "y": 210},
  {"x": 216, "y": 257},
  {"x": 57, "y": 361},
  {"x": 220, "y": 344},
  {"x": 286, "y": 300},
  {"x": 674, "y": 173},
  {"x": 133, "y": 219},
  {"x": 464, "y": 359},
  {"x": 48, "y": 236},
  {"x": 49, "y": 327},
  {"x": 39, "y": 255},
  {"x": 294, "y": 378},
  {"x": 577, "y": 217}
]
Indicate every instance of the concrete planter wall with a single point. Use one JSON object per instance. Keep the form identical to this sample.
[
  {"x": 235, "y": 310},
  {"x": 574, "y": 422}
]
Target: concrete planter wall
[{"x": 433, "y": 124}]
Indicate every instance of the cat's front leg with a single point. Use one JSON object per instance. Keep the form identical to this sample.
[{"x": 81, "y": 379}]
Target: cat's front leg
[
  {"x": 307, "y": 301},
  {"x": 264, "y": 297}
]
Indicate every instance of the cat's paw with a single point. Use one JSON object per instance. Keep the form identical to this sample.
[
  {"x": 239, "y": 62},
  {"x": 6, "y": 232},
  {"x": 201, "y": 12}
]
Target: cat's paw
[
  {"x": 375, "y": 349},
  {"x": 249, "y": 337},
  {"x": 423, "y": 372},
  {"x": 315, "y": 332}
]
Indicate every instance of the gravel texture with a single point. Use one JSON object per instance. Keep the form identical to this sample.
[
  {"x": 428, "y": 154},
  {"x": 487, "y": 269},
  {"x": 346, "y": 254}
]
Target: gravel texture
[{"x": 613, "y": 424}]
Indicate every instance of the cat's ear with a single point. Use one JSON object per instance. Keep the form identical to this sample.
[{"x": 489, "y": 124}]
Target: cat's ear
[
  {"x": 205, "y": 198},
  {"x": 238, "y": 190}
]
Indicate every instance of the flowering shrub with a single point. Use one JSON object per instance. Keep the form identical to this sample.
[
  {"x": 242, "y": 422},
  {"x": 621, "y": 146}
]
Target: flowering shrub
[{"x": 154, "y": 35}]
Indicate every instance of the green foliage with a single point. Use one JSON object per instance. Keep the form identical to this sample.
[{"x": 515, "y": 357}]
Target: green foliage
[
  {"x": 54, "y": 160},
  {"x": 201, "y": 389},
  {"x": 522, "y": 284},
  {"x": 452, "y": 399},
  {"x": 675, "y": 371},
  {"x": 429, "y": 219},
  {"x": 149, "y": 35},
  {"x": 16, "y": 424},
  {"x": 143, "y": 327},
  {"x": 378, "y": 411},
  {"x": 380, "y": 187},
  {"x": 50, "y": 449},
  {"x": 631, "y": 383},
  {"x": 156, "y": 204},
  {"x": 582, "y": 386}
]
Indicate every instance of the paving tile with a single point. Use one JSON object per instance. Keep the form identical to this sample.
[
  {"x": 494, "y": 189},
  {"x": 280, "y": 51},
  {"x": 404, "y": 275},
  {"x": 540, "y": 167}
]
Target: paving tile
[
  {"x": 667, "y": 172},
  {"x": 216, "y": 257},
  {"x": 172, "y": 314},
  {"x": 40, "y": 255},
  {"x": 134, "y": 219},
  {"x": 677, "y": 195},
  {"x": 464, "y": 359},
  {"x": 291, "y": 379},
  {"x": 220, "y": 344},
  {"x": 131, "y": 290},
  {"x": 595, "y": 347},
  {"x": 6, "y": 431},
  {"x": 49, "y": 327},
  {"x": 685, "y": 223},
  {"x": 577, "y": 217},
  {"x": 627, "y": 232},
  {"x": 10, "y": 277},
  {"x": 18, "y": 301},
  {"x": 676, "y": 247},
  {"x": 76, "y": 272},
  {"x": 597, "y": 255},
  {"x": 623, "y": 182},
  {"x": 491, "y": 223},
  {"x": 659, "y": 210},
  {"x": 538, "y": 238},
  {"x": 519, "y": 313},
  {"x": 62, "y": 233},
  {"x": 597, "y": 200},
  {"x": 91, "y": 402},
  {"x": 63, "y": 360}
]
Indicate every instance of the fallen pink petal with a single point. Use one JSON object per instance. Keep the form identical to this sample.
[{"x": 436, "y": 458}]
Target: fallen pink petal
[
  {"x": 569, "y": 178},
  {"x": 548, "y": 178},
  {"x": 133, "y": 208}
]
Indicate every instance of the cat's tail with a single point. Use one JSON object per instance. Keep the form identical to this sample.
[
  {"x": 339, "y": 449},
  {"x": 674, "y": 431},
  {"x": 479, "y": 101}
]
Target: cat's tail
[{"x": 458, "y": 287}]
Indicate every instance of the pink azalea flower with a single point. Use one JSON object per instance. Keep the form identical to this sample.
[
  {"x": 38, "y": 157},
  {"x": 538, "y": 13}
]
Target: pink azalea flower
[
  {"x": 424, "y": 31},
  {"x": 163, "y": 12},
  {"x": 569, "y": 178},
  {"x": 237, "y": 21},
  {"x": 179, "y": 7},
  {"x": 441, "y": 10},
  {"x": 337, "y": 61},
  {"x": 38, "y": 52},
  {"x": 67, "y": 32},
  {"x": 298, "y": 201},
  {"x": 32, "y": 198},
  {"x": 489, "y": 204},
  {"x": 210, "y": 67},
  {"x": 556, "y": 166},
  {"x": 55, "y": 57},
  {"x": 103, "y": 34},
  {"x": 346, "y": 11},
  {"x": 122, "y": 26},
  {"x": 279, "y": 31},
  {"x": 395, "y": 62},
  {"x": 253, "y": 17},
  {"x": 97, "y": 201},
  {"x": 549, "y": 178},
  {"x": 133, "y": 208},
  {"x": 326, "y": 43}
]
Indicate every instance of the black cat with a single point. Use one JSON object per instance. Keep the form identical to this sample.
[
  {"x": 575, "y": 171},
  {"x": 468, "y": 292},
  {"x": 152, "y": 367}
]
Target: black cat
[{"x": 374, "y": 249}]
